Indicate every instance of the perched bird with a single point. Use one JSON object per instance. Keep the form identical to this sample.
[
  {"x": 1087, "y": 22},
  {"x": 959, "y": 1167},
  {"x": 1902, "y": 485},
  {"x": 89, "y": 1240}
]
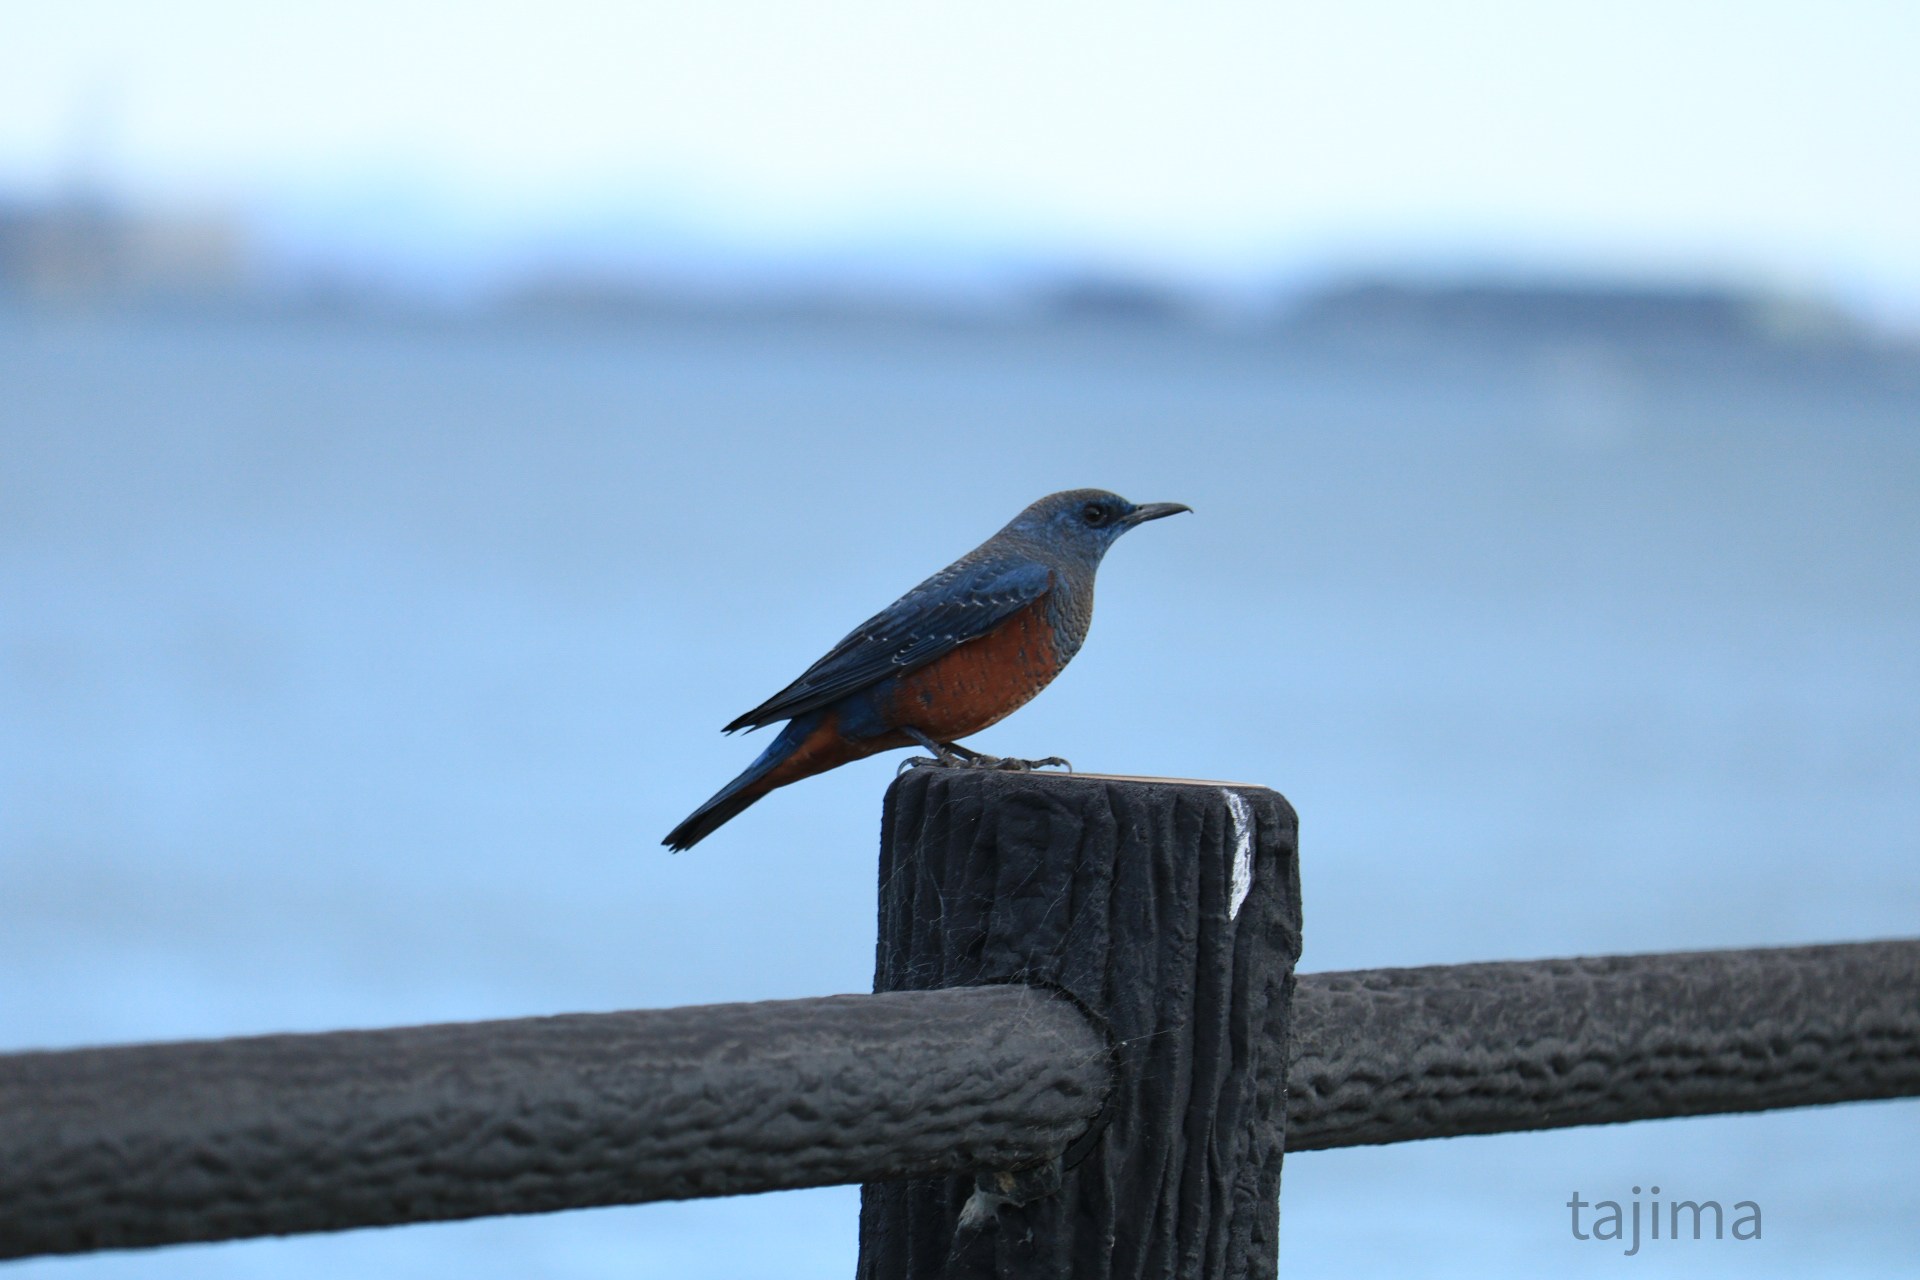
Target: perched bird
[{"x": 963, "y": 650}]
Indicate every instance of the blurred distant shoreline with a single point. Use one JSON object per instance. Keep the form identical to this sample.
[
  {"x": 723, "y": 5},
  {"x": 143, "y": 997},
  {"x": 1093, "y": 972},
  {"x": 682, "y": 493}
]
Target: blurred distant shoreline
[{"x": 85, "y": 254}]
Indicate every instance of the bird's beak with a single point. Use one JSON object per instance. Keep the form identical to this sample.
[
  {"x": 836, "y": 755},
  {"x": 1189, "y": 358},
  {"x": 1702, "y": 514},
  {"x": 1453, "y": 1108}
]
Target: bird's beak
[{"x": 1152, "y": 511}]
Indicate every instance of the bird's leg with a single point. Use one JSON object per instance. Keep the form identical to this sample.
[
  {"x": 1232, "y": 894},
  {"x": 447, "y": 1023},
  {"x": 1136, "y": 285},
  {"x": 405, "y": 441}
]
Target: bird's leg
[
  {"x": 943, "y": 754},
  {"x": 968, "y": 758},
  {"x": 981, "y": 760},
  {"x": 951, "y": 755}
]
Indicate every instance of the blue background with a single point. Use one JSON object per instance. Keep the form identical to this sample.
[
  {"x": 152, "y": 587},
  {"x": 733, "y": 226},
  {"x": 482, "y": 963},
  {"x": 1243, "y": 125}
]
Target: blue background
[{"x": 351, "y": 671}]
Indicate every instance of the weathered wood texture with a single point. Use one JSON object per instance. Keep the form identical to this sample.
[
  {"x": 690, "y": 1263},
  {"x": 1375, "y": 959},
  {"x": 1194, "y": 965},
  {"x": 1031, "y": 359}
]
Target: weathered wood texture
[
  {"x": 1172, "y": 911},
  {"x": 223, "y": 1139},
  {"x": 1390, "y": 1055},
  {"x": 1066, "y": 965}
]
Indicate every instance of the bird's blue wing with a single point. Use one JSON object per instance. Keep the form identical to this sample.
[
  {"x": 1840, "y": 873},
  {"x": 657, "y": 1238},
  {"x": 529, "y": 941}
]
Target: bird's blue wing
[{"x": 962, "y": 602}]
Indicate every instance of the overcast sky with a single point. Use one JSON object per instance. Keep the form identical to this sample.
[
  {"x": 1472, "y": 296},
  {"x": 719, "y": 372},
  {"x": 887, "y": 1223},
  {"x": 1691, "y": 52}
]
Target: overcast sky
[{"x": 1782, "y": 140}]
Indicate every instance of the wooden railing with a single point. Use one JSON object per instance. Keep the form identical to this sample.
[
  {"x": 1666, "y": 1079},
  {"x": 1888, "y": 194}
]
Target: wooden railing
[{"x": 1085, "y": 1056}]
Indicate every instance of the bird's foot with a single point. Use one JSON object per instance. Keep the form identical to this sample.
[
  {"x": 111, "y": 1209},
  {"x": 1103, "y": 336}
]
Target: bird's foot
[
  {"x": 946, "y": 755},
  {"x": 951, "y": 755},
  {"x": 1012, "y": 764},
  {"x": 1005, "y": 764},
  {"x": 1028, "y": 766}
]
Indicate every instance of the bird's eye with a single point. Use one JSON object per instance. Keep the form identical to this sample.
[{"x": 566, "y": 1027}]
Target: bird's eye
[{"x": 1094, "y": 514}]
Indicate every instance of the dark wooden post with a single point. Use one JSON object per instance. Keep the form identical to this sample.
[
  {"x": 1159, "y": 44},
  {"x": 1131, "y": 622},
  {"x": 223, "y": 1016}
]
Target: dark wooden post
[{"x": 1170, "y": 911}]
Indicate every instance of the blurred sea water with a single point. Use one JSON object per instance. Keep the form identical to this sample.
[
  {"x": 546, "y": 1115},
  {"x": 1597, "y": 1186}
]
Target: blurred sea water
[{"x": 351, "y": 671}]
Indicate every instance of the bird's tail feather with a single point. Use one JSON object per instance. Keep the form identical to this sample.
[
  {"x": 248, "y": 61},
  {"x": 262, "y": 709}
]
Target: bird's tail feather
[{"x": 733, "y": 799}]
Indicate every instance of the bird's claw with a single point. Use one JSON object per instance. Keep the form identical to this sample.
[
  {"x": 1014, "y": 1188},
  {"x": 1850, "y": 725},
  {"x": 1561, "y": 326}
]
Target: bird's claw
[
  {"x": 1027, "y": 766},
  {"x": 951, "y": 755},
  {"x": 980, "y": 760}
]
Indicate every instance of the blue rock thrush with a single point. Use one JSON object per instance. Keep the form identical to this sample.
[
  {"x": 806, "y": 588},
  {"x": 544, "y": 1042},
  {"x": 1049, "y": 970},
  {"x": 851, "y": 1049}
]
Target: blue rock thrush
[{"x": 963, "y": 650}]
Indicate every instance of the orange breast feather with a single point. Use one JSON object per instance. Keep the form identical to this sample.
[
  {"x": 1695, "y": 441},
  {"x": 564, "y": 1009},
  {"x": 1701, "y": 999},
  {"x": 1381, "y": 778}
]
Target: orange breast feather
[
  {"x": 978, "y": 684},
  {"x": 983, "y": 681}
]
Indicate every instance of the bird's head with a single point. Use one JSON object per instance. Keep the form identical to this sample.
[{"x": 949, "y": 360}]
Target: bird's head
[{"x": 1087, "y": 521}]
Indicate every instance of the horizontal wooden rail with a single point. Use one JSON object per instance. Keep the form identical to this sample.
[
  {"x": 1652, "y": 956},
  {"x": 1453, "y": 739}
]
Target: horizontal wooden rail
[
  {"x": 155, "y": 1144},
  {"x": 270, "y": 1135},
  {"x": 1389, "y": 1055}
]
